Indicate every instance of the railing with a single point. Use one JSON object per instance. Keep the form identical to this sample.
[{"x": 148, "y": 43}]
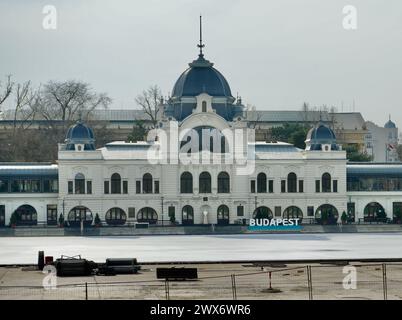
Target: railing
[{"x": 337, "y": 281}]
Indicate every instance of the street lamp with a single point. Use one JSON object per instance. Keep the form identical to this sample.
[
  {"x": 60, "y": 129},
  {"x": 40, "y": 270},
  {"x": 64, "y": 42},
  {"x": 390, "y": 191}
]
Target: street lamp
[{"x": 162, "y": 210}]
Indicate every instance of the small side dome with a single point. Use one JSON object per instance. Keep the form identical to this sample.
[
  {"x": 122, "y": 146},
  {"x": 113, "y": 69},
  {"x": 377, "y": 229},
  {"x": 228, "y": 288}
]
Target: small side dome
[
  {"x": 319, "y": 136},
  {"x": 390, "y": 125},
  {"x": 80, "y": 134}
]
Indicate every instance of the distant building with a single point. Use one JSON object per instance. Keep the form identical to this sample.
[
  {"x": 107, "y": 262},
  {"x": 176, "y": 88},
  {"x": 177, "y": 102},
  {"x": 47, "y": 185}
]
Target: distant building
[
  {"x": 350, "y": 129},
  {"x": 382, "y": 142}
]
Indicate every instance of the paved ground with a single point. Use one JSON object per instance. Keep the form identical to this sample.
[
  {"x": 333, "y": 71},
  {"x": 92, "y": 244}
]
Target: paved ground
[
  {"x": 215, "y": 282},
  {"x": 23, "y": 250}
]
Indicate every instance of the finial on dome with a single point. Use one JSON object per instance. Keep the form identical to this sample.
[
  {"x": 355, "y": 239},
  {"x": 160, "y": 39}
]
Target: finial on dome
[{"x": 201, "y": 45}]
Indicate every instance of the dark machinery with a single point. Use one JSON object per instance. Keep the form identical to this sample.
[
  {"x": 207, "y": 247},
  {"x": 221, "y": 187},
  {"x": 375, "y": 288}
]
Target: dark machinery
[
  {"x": 74, "y": 266},
  {"x": 176, "y": 273}
]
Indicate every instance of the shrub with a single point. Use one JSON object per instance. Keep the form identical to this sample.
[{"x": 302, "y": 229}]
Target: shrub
[
  {"x": 61, "y": 220},
  {"x": 97, "y": 220},
  {"x": 344, "y": 217},
  {"x": 13, "y": 219}
]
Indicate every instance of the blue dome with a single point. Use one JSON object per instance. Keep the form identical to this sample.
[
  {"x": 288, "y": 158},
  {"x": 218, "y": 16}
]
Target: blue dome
[
  {"x": 79, "y": 133},
  {"x": 201, "y": 77},
  {"x": 390, "y": 125},
  {"x": 320, "y": 135}
]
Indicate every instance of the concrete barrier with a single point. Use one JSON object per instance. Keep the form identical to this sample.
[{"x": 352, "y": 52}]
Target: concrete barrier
[{"x": 189, "y": 230}]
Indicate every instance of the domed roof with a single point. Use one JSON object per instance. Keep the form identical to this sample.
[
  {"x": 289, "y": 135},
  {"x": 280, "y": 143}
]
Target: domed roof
[
  {"x": 79, "y": 131},
  {"x": 390, "y": 125},
  {"x": 201, "y": 77},
  {"x": 321, "y": 133}
]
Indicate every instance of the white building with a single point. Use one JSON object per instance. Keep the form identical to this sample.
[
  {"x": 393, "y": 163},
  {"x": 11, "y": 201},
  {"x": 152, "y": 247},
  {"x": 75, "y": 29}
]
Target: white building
[
  {"x": 382, "y": 142},
  {"x": 199, "y": 167}
]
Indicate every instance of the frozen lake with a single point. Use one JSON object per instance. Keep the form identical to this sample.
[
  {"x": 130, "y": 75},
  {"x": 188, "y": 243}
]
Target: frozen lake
[{"x": 206, "y": 248}]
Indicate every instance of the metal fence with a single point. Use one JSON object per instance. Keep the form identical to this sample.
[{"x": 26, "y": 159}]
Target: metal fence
[{"x": 321, "y": 282}]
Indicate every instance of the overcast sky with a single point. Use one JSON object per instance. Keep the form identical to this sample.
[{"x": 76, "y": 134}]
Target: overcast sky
[{"x": 275, "y": 53}]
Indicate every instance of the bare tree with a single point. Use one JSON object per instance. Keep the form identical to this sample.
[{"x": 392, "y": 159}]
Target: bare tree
[
  {"x": 150, "y": 102},
  {"x": 57, "y": 105},
  {"x": 6, "y": 91},
  {"x": 69, "y": 100},
  {"x": 305, "y": 114}
]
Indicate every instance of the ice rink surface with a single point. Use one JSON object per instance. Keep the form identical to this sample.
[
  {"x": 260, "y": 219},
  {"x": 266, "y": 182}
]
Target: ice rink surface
[{"x": 15, "y": 250}]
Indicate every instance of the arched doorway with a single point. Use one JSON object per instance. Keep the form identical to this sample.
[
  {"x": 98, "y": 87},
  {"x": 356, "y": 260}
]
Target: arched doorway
[
  {"x": 77, "y": 214},
  {"x": 147, "y": 214},
  {"x": 326, "y": 214},
  {"x": 293, "y": 212},
  {"x": 115, "y": 217},
  {"x": 26, "y": 215},
  {"x": 187, "y": 215},
  {"x": 263, "y": 213},
  {"x": 223, "y": 215},
  {"x": 374, "y": 212}
]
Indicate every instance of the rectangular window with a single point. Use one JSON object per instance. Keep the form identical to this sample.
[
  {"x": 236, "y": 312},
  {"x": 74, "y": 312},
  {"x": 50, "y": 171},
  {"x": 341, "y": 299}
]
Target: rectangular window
[
  {"x": 335, "y": 185},
  {"x": 3, "y": 186},
  {"x": 252, "y": 186},
  {"x": 131, "y": 213},
  {"x": 70, "y": 187},
  {"x": 240, "y": 211},
  {"x": 278, "y": 211},
  {"x": 79, "y": 186},
  {"x": 106, "y": 187},
  {"x": 301, "y": 186},
  {"x": 52, "y": 214},
  {"x": 310, "y": 211},
  {"x": 283, "y": 186},
  {"x": 50, "y": 186},
  {"x": 125, "y": 187},
  {"x": 271, "y": 186},
  {"x": 25, "y": 186},
  {"x": 138, "y": 186},
  {"x": 156, "y": 186},
  {"x": 89, "y": 187},
  {"x": 172, "y": 213},
  {"x": 317, "y": 185}
]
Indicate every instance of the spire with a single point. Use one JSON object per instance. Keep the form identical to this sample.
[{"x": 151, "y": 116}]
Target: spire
[{"x": 201, "y": 45}]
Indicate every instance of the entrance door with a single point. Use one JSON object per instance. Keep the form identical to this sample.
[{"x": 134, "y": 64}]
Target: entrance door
[{"x": 2, "y": 216}]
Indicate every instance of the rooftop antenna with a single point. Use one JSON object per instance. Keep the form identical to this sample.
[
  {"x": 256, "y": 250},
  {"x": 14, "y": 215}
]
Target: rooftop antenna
[{"x": 201, "y": 45}]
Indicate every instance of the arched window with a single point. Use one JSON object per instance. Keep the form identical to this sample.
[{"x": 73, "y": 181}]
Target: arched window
[
  {"x": 116, "y": 183},
  {"x": 223, "y": 215},
  {"x": 292, "y": 182},
  {"x": 188, "y": 215},
  {"x": 262, "y": 183},
  {"x": 147, "y": 214},
  {"x": 79, "y": 182},
  {"x": 223, "y": 182},
  {"x": 186, "y": 182},
  {"x": 263, "y": 213},
  {"x": 26, "y": 215},
  {"x": 147, "y": 183},
  {"x": 115, "y": 216},
  {"x": 204, "y": 106},
  {"x": 326, "y": 214},
  {"x": 205, "y": 182},
  {"x": 374, "y": 212},
  {"x": 293, "y": 212},
  {"x": 326, "y": 182},
  {"x": 77, "y": 214}
]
